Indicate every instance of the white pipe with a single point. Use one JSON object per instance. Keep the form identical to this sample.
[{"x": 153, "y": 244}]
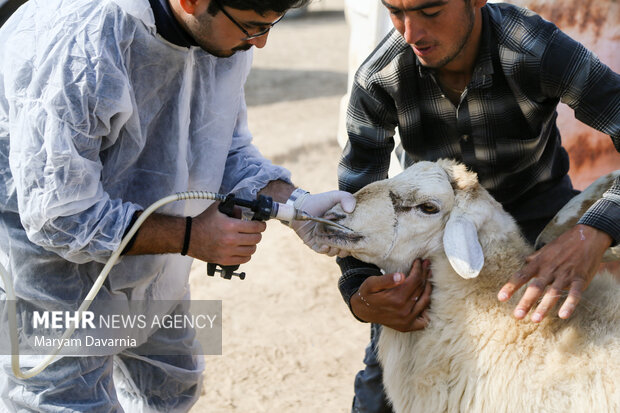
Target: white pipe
[{"x": 12, "y": 299}]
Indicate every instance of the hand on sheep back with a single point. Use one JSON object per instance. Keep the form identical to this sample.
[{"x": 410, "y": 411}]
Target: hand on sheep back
[
  {"x": 568, "y": 263},
  {"x": 394, "y": 300}
]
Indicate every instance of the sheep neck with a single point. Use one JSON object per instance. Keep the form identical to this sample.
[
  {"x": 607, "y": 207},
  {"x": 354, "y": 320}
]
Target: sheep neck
[{"x": 504, "y": 255}]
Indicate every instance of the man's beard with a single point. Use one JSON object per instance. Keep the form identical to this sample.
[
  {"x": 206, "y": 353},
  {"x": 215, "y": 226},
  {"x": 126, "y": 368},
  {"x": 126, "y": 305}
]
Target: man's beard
[
  {"x": 459, "y": 48},
  {"x": 242, "y": 48},
  {"x": 204, "y": 22},
  {"x": 229, "y": 53}
]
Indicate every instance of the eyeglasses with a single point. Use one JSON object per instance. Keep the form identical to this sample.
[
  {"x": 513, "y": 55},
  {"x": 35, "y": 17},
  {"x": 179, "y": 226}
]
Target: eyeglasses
[{"x": 248, "y": 36}]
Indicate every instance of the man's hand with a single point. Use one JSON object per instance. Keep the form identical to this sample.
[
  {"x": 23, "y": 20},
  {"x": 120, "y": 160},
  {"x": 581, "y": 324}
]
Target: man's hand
[
  {"x": 395, "y": 301},
  {"x": 217, "y": 238},
  {"x": 317, "y": 205},
  {"x": 568, "y": 263}
]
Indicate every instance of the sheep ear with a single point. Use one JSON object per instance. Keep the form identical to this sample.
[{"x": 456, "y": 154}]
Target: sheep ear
[{"x": 461, "y": 245}]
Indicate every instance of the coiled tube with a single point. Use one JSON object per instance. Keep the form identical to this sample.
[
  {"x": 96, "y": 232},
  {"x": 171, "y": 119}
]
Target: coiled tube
[{"x": 11, "y": 298}]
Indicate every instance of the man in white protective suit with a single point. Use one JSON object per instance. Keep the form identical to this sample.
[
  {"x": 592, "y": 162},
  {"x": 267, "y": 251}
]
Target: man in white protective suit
[{"x": 106, "y": 107}]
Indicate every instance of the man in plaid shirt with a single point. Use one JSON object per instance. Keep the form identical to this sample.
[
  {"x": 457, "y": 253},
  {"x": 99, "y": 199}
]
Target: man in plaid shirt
[{"x": 478, "y": 83}]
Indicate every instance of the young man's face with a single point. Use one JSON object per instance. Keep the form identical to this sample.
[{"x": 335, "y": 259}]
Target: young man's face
[
  {"x": 221, "y": 35},
  {"x": 439, "y": 31}
]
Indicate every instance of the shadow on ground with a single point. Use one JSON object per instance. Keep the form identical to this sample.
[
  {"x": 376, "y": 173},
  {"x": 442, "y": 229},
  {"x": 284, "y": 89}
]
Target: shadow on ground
[
  {"x": 265, "y": 86},
  {"x": 308, "y": 16}
]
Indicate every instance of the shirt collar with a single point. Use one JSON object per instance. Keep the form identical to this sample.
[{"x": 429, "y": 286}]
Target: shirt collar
[{"x": 167, "y": 25}]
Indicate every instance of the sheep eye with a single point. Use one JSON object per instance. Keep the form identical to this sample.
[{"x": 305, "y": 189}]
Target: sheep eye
[{"x": 428, "y": 208}]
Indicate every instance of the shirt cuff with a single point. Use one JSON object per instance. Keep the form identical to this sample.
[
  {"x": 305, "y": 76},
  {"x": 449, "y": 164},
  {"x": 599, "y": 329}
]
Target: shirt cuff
[
  {"x": 354, "y": 272},
  {"x": 604, "y": 215}
]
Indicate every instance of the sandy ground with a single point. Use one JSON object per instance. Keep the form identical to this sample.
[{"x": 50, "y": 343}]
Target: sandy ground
[{"x": 289, "y": 342}]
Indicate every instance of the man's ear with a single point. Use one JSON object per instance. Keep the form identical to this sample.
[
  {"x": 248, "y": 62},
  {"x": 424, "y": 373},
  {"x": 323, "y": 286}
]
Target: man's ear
[{"x": 188, "y": 6}]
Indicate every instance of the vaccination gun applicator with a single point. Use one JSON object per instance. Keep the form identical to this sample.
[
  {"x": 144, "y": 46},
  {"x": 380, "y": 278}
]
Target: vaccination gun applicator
[{"x": 264, "y": 208}]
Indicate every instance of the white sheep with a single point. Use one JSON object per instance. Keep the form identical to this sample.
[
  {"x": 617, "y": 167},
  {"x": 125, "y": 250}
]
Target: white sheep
[{"x": 474, "y": 356}]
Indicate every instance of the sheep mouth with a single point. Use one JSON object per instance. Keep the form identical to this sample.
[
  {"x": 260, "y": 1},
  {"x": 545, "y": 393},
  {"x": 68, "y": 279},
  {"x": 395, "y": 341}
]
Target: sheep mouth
[
  {"x": 331, "y": 224},
  {"x": 335, "y": 234},
  {"x": 331, "y": 230}
]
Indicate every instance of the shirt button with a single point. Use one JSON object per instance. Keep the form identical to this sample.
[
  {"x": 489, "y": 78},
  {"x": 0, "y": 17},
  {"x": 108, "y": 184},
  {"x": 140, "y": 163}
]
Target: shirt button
[{"x": 465, "y": 138}]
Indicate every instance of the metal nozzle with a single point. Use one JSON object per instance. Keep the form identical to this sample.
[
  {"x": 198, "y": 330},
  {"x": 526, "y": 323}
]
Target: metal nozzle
[
  {"x": 287, "y": 213},
  {"x": 303, "y": 216}
]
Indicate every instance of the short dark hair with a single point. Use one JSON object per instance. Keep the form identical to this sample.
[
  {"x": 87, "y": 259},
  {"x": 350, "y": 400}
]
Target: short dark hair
[{"x": 259, "y": 6}]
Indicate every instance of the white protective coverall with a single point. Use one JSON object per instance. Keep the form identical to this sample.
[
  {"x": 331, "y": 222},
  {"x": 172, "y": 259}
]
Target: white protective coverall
[{"x": 99, "y": 118}]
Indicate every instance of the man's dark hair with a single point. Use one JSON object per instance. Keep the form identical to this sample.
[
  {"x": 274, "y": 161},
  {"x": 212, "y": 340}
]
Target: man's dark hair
[
  {"x": 259, "y": 6},
  {"x": 7, "y": 8}
]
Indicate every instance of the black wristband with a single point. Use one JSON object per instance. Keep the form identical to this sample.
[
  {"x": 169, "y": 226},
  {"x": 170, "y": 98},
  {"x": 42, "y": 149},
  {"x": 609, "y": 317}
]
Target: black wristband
[
  {"x": 188, "y": 234},
  {"x": 134, "y": 218}
]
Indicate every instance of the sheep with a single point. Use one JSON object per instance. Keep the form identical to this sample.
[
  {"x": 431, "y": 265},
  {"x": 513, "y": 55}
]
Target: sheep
[
  {"x": 575, "y": 208},
  {"x": 474, "y": 356}
]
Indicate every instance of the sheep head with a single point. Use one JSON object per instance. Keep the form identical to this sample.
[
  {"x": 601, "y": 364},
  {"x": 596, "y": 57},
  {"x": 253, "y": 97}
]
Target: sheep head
[{"x": 431, "y": 208}]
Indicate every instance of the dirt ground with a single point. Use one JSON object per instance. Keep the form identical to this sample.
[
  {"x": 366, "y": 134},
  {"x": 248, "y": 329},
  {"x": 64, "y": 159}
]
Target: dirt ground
[{"x": 289, "y": 341}]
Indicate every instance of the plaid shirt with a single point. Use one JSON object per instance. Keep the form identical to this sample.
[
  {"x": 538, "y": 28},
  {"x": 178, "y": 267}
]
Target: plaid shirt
[{"x": 504, "y": 127}]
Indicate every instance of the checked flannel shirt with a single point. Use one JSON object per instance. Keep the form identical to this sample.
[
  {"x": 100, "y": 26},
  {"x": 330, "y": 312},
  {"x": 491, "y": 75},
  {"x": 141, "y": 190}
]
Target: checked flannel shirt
[{"x": 504, "y": 127}]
